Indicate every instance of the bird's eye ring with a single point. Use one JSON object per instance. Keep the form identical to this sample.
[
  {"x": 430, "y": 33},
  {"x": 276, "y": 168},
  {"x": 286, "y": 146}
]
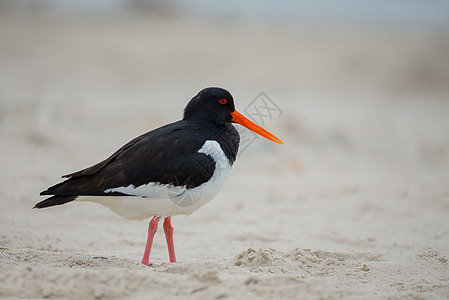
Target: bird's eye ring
[{"x": 223, "y": 101}]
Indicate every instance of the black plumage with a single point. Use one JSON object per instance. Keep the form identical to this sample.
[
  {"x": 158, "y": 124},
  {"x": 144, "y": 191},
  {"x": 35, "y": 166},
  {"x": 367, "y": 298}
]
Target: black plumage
[{"x": 166, "y": 155}]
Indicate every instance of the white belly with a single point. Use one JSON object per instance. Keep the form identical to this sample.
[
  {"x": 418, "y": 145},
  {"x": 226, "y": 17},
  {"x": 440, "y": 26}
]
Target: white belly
[{"x": 155, "y": 199}]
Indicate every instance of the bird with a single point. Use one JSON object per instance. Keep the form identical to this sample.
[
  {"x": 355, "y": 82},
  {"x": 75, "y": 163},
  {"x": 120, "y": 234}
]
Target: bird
[{"x": 172, "y": 170}]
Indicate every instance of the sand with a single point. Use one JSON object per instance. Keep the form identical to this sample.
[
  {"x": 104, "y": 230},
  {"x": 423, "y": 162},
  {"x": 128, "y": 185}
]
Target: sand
[{"x": 355, "y": 205}]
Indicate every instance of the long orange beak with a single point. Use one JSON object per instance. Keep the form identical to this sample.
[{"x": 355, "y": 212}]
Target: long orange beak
[{"x": 239, "y": 118}]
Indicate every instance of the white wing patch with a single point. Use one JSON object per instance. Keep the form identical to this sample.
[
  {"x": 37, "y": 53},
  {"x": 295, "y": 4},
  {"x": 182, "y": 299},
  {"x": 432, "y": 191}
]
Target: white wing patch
[{"x": 150, "y": 190}]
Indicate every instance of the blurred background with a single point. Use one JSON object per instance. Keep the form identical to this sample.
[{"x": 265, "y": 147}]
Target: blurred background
[
  {"x": 360, "y": 96},
  {"x": 353, "y": 76},
  {"x": 353, "y": 82},
  {"x": 68, "y": 67},
  {"x": 360, "y": 86}
]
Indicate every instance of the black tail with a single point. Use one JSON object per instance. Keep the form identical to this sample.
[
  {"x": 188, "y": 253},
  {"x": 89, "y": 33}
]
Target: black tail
[{"x": 54, "y": 200}]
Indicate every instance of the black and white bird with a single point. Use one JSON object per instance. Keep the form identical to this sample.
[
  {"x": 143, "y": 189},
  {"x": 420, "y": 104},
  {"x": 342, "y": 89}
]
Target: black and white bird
[{"x": 171, "y": 170}]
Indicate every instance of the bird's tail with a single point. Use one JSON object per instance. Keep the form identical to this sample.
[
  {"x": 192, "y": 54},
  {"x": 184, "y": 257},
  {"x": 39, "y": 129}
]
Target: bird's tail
[{"x": 54, "y": 200}]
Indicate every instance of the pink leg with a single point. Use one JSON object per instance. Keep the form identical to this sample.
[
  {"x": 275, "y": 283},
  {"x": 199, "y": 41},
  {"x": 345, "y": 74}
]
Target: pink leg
[
  {"x": 168, "y": 229},
  {"x": 151, "y": 232}
]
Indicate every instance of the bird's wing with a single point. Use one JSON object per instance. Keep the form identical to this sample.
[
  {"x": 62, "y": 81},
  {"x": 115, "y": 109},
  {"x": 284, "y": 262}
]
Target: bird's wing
[{"x": 167, "y": 155}]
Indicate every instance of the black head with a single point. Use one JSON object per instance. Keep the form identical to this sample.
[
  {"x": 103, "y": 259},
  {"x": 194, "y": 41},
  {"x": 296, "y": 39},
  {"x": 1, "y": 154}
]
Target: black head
[
  {"x": 212, "y": 104},
  {"x": 215, "y": 105}
]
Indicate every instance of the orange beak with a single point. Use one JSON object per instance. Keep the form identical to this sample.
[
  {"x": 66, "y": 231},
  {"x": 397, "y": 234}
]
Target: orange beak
[{"x": 239, "y": 118}]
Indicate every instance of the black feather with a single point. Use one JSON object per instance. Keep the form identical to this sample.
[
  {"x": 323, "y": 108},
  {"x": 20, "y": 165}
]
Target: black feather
[
  {"x": 166, "y": 155},
  {"x": 55, "y": 200}
]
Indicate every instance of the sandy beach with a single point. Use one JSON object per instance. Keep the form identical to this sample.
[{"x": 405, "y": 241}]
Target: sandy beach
[{"x": 354, "y": 205}]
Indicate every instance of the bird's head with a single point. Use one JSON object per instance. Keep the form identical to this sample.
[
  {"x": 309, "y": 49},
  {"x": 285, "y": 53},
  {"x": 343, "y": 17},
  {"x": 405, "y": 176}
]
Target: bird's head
[{"x": 216, "y": 105}]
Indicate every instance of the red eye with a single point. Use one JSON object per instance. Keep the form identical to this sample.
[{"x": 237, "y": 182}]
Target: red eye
[{"x": 223, "y": 101}]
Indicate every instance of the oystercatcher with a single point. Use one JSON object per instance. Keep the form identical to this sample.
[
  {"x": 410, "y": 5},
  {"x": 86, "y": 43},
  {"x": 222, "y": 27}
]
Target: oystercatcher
[{"x": 172, "y": 170}]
